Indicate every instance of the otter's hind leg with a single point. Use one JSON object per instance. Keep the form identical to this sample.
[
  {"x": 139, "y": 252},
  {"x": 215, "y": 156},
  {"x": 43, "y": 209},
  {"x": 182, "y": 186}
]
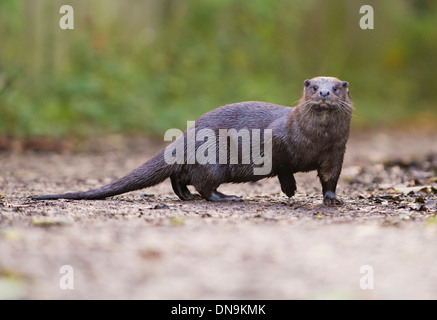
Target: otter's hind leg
[
  {"x": 288, "y": 183},
  {"x": 225, "y": 197},
  {"x": 206, "y": 182},
  {"x": 214, "y": 195},
  {"x": 181, "y": 190}
]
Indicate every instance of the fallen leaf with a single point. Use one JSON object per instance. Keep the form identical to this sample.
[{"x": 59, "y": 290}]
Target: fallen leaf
[
  {"x": 11, "y": 288},
  {"x": 407, "y": 190},
  {"x": 177, "y": 221},
  {"x": 51, "y": 221},
  {"x": 11, "y": 234},
  {"x": 431, "y": 204}
]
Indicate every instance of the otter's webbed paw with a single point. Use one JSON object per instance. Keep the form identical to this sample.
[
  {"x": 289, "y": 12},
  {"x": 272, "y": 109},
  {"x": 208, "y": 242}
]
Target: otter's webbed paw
[{"x": 331, "y": 200}]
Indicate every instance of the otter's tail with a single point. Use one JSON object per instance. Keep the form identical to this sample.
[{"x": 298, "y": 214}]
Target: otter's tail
[{"x": 149, "y": 174}]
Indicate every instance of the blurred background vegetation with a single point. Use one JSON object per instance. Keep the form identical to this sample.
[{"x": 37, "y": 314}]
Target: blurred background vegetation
[{"x": 145, "y": 66}]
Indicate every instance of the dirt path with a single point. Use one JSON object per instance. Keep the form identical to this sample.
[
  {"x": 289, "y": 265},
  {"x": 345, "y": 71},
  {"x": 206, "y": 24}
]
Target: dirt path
[{"x": 150, "y": 245}]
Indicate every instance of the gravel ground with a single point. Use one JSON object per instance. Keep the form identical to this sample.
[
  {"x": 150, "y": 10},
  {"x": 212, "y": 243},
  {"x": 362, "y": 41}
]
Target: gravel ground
[{"x": 149, "y": 245}]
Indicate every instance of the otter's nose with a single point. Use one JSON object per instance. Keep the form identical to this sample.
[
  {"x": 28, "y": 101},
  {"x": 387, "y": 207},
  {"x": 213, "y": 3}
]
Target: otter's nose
[{"x": 324, "y": 93}]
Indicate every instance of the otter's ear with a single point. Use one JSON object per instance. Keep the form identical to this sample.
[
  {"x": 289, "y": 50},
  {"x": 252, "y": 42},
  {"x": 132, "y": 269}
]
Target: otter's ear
[
  {"x": 345, "y": 85},
  {"x": 307, "y": 83}
]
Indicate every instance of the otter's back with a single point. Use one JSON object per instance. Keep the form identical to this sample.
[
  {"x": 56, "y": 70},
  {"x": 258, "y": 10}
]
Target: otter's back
[{"x": 249, "y": 114}]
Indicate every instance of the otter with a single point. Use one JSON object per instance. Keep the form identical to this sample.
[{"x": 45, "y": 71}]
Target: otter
[{"x": 310, "y": 136}]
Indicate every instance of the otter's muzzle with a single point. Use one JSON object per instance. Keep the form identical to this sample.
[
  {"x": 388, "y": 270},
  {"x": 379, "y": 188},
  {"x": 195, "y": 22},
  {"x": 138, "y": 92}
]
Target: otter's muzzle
[{"x": 324, "y": 93}]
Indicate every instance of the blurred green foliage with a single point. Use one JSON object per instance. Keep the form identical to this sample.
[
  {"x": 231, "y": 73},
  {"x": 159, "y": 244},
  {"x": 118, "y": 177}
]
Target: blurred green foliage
[{"x": 144, "y": 66}]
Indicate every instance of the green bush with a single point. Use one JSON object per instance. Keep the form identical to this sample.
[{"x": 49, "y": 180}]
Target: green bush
[{"x": 146, "y": 66}]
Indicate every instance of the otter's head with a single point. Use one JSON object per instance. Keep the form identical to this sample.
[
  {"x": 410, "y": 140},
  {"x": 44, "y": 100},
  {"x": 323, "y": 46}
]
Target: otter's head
[{"x": 324, "y": 94}]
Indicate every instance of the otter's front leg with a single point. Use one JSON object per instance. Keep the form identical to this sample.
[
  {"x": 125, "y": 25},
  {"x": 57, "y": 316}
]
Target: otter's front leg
[
  {"x": 181, "y": 190},
  {"x": 328, "y": 189},
  {"x": 328, "y": 176}
]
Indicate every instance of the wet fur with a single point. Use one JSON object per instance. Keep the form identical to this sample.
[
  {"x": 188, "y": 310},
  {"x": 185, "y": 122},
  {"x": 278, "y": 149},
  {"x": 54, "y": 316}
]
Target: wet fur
[{"x": 311, "y": 136}]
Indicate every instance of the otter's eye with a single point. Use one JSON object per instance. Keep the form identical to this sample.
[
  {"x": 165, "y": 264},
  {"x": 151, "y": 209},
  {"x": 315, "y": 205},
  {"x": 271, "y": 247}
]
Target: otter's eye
[
  {"x": 335, "y": 89},
  {"x": 314, "y": 89}
]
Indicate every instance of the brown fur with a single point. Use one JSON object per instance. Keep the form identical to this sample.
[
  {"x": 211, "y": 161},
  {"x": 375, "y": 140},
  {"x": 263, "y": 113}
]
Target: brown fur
[{"x": 311, "y": 136}]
